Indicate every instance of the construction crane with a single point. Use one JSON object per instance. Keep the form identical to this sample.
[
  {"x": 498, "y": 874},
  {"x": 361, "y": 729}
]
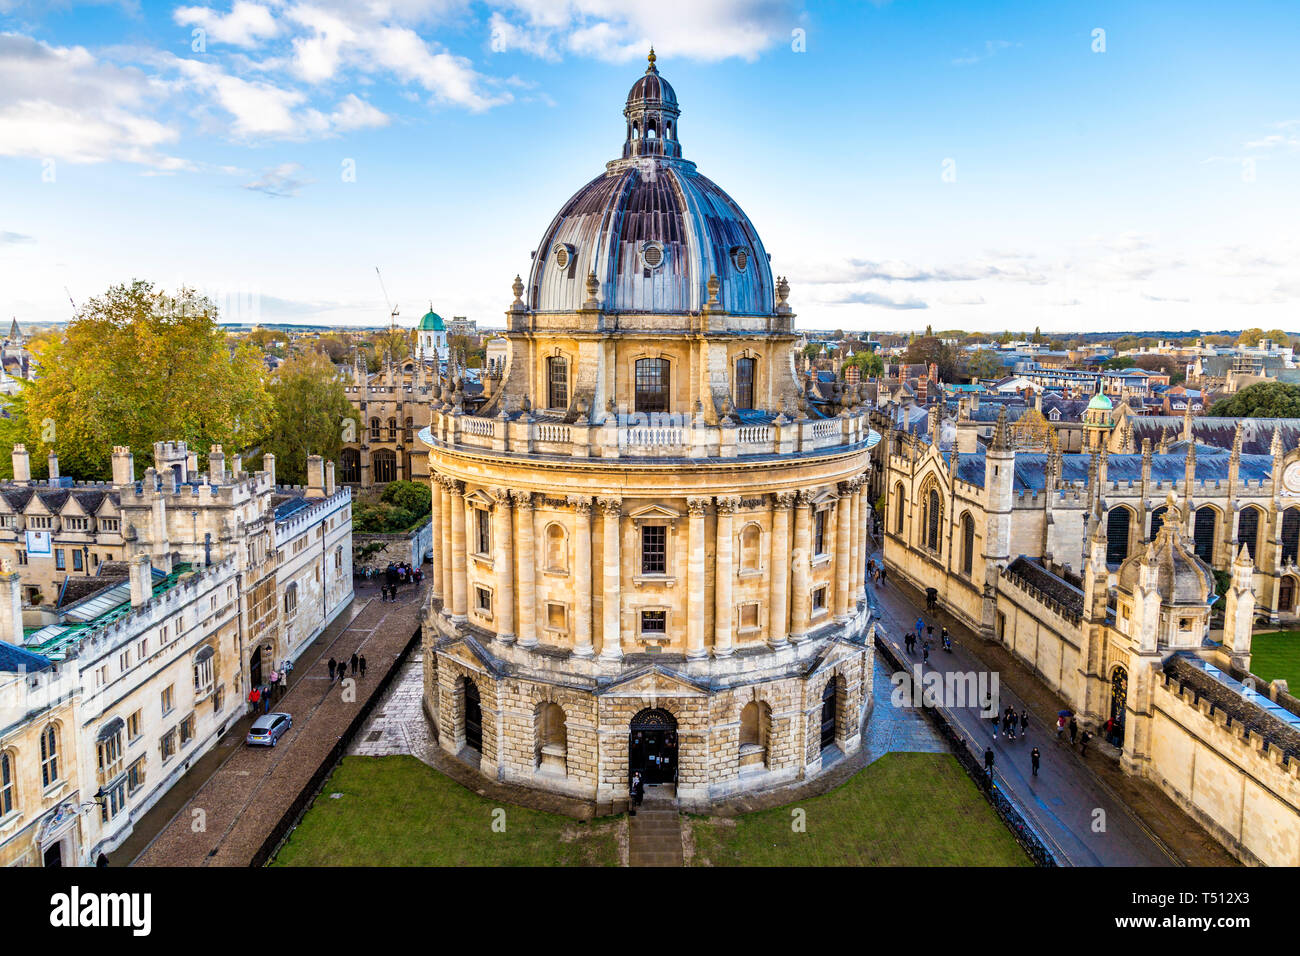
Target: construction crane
[{"x": 393, "y": 313}]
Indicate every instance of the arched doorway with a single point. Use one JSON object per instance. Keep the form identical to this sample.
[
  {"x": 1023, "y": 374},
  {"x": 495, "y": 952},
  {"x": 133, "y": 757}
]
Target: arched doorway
[
  {"x": 1118, "y": 700},
  {"x": 652, "y": 746},
  {"x": 384, "y": 465},
  {"x": 830, "y": 693},
  {"x": 473, "y": 716},
  {"x": 1286, "y": 595}
]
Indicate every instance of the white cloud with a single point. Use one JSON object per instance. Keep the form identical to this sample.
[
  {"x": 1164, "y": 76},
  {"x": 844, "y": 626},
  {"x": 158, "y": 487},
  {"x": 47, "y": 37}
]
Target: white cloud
[
  {"x": 280, "y": 181},
  {"x": 246, "y": 25},
  {"x": 63, "y": 103}
]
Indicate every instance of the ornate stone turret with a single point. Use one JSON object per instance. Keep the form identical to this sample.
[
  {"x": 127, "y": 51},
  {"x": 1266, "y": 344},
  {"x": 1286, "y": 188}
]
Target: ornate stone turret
[{"x": 1239, "y": 610}]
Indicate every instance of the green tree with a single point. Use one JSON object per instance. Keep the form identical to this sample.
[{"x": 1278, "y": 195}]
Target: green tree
[
  {"x": 871, "y": 364},
  {"x": 1262, "y": 400},
  {"x": 984, "y": 363},
  {"x": 1250, "y": 337},
  {"x": 929, "y": 350},
  {"x": 1119, "y": 362},
  {"x": 310, "y": 412},
  {"x": 137, "y": 366},
  {"x": 413, "y": 496}
]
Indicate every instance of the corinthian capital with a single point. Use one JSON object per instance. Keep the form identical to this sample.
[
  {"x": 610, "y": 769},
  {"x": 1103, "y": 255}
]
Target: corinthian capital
[
  {"x": 502, "y": 496},
  {"x": 783, "y": 500},
  {"x": 612, "y": 507},
  {"x": 522, "y": 499},
  {"x": 698, "y": 507},
  {"x": 728, "y": 505},
  {"x": 581, "y": 503}
]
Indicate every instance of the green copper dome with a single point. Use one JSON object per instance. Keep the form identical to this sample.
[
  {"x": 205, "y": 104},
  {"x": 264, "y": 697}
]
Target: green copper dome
[
  {"x": 1100, "y": 400},
  {"x": 432, "y": 322}
]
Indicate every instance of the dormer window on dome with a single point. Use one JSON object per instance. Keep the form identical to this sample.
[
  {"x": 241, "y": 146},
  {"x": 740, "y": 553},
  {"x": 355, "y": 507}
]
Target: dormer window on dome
[
  {"x": 652, "y": 254},
  {"x": 740, "y": 257}
]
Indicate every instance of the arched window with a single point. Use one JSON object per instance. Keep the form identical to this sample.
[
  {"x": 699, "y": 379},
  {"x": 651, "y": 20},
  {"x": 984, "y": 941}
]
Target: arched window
[
  {"x": 1117, "y": 525},
  {"x": 392, "y": 429},
  {"x": 745, "y": 382},
  {"x": 49, "y": 756},
  {"x": 383, "y": 465},
  {"x": 1157, "y": 519},
  {"x": 550, "y": 736},
  {"x": 8, "y": 784},
  {"x": 1290, "y": 534},
  {"x": 203, "y": 676},
  {"x": 652, "y": 380},
  {"x": 1248, "y": 531},
  {"x": 374, "y": 429},
  {"x": 900, "y": 508},
  {"x": 557, "y": 549},
  {"x": 410, "y": 430},
  {"x": 291, "y": 600},
  {"x": 1203, "y": 534},
  {"x": 557, "y": 382},
  {"x": 755, "y": 728},
  {"x": 750, "y": 541},
  {"x": 350, "y": 466},
  {"x": 967, "y": 543},
  {"x": 933, "y": 513}
]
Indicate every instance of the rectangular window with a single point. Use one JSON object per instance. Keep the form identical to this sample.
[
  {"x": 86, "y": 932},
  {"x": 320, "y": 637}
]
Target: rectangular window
[
  {"x": 484, "y": 531},
  {"x": 654, "y": 622},
  {"x": 8, "y": 784},
  {"x": 114, "y": 802},
  {"x": 557, "y": 369},
  {"x": 483, "y": 600},
  {"x": 135, "y": 776},
  {"x": 187, "y": 730},
  {"x": 76, "y": 560},
  {"x": 167, "y": 746},
  {"x": 110, "y": 756},
  {"x": 203, "y": 678},
  {"x": 133, "y": 727},
  {"x": 654, "y": 549},
  {"x": 748, "y": 617},
  {"x": 556, "y": 617},
  {"x": 819, "y": 532},
  {"x": 819, "y": 599},
  {"x": 22, "y": 556},
  {"x": 167, "y": 699},
  {"x": 59, "y": 563},
  {"x": 124, "y": 660}
]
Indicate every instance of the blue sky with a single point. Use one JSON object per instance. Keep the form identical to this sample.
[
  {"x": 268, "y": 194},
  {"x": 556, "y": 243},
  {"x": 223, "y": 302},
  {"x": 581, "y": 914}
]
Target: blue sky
[{"x": 281, "y": 153}]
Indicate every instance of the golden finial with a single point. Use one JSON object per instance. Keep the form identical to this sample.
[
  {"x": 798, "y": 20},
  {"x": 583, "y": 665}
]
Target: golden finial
[{"x": 651, "y": 58}]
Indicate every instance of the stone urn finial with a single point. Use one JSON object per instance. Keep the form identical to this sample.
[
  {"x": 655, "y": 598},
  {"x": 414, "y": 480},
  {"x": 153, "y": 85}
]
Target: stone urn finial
[
  {"x": 518, "y": 289},
  {"x": 593, "y": 286},
  {"x": 782, "y": 294},
  {"x": 714, "y": 286}
]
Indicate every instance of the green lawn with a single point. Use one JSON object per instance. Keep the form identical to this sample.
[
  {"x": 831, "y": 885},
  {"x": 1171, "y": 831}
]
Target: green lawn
[
  {"x": 397, "y": 811},
  {"x": 1277, "y": 655},
  {"x": 906, "y": 809}
]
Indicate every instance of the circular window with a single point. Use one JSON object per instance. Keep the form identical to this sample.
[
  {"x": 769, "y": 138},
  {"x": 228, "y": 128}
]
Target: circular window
[
  {"x": 652, "y": 254},
  {"x": 739, "y": 258},
  {"x": 563, "y": 256}
]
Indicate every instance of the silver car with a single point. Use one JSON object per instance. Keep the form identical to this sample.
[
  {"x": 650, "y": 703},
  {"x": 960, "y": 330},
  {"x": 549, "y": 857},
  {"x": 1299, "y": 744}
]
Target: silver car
[{"x": 268, "y": 729}]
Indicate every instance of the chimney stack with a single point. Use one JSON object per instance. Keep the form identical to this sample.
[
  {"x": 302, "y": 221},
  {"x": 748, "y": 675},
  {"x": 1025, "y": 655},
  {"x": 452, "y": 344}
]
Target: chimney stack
[
  {"x": 22, "y": 464},
  {"x": 216, "y": 465},
  {"x": 11, "y": 606},
  {"x": 329, "y": 478},
  {"x": 315, "y": 476},
  {"x": 191, "y": 464},
  {"x": 237, "y": 465},
  {"x": 141, "y": 572},
  {"x": 268, "y": 466},
  {"x": 54, "y": 466},
  {"x": 123, "y": 466}
]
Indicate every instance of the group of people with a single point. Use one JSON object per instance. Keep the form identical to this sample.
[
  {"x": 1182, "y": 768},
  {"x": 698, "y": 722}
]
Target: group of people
[
  {"x": 1078, "y": 736},
  {"x": 263, "y": 695},
  {"x": 339, "y": 669},
  {"x": 1009, "y": 722},
  {"x": 912, "y": 639},
  {"x": 876, "y": 571},
  {"x": 395, "y": 575}
]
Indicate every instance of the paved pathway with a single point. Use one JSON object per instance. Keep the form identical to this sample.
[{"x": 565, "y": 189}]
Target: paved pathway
[
  {"x": 655, "y": 833},
  {"x": 228, "y": 819},
  {"x": 1063, "y": 800}
]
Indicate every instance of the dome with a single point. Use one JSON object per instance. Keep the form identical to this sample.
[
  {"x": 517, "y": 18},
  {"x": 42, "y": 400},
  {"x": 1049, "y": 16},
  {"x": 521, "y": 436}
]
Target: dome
[
  {"x": 651, "y": 229},
  {"x": 1101, "y": 402},
  {"x": 1181, "y": 576},
  {"x": 431, "y": 322}
]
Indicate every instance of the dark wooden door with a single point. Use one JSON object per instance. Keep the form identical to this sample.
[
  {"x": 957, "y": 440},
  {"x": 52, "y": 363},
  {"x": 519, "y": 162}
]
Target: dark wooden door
[
  {"x": 473, "y": 718},
  {"x": 828, "y": 714}
]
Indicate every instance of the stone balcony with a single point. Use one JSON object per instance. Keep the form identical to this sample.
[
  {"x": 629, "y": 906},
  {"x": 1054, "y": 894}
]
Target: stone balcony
[{"x": 667, "y": 437}]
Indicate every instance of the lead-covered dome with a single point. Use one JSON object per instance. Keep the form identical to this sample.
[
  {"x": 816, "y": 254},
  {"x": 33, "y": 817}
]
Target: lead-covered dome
[{"x": 651, "y": 229}]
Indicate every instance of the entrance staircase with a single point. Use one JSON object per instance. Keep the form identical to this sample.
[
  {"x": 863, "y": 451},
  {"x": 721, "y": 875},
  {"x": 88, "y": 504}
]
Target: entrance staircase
[{"x": 655, "y": 833}]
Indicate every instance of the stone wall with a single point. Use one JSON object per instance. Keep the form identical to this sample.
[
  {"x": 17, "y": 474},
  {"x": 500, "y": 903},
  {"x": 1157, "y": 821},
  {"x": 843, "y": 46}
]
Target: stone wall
[{"x": 409, "y": 548}]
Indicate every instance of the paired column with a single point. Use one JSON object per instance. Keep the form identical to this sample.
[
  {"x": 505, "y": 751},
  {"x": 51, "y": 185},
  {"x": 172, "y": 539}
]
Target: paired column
[
  {"x": 527, "y": 570},
  {"x": 778, "y": 623},
  {"x": 843, "y": 550},
  {"x": 697, "y": 572},
  {"x": 504, "y": 562},
  {"x": 611, "y": 645},
  {"x": 864, "y": 544},
  {"x": 725, "y": 578},
  {"x": 801, "y": 572},
  {"x": 458, "y": 580},
  {"x": 444, "y": 543},
  {"x": 435, "y": 574},
  {"x": 856, "y": 556},
  {"x": 582, "y": 576}
]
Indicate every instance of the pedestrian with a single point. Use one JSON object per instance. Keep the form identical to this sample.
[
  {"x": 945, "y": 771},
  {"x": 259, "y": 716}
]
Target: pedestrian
[
  {"x": 288, "y": 666},
  {"x": 997, "y": 718},
  {"x": 266, "y": 700},
  {"x": 1074, "y": 730},
  {"x": 362, "y": 661},
  {"x": 988, "y": 761},
  {"x": 925, "y": 655},
  {"x": 882, "y": 573},
  {"x": 1024, "y": 723},
  {"x": 1034, "y": 756},
  {"x": 907, "y": 641},
  {"x": 1083, "y": 743},
  {"x": 1060, "y": 726},
  {"x": 638, "y": 789},
  {"x": 254, "y": 696},
  {"x": 920, "y": 626},
  {"x": 333, "y": 666},
  {"x": 343, "y": 669},
  {"x": 354, "y": 662}
]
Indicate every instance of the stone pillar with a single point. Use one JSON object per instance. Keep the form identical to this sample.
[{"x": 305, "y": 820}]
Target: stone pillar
[
  {"x": 140, "y": 573},
  {"x": 582, "y": 576},
  {"x": 504, "y": 562},
  {"x": 696, "y": 576},
  {"x": 448, "y": 577},
  {"x": 11, "y": 606},
  {"x": 843, "y": 551},
  {"x": 801, "y": 568},
  {"x": 459, "y": 583},
  {"x": 611, "y": 646},
  {"x": 778, "y": 621},
  {"x": 724, "y": 577},
  {"x": 22, "y": 464},
  {"x": 864, "y": 527},
  {"x": 437, "y": 530},
  {"x": 527, "y": 570}
]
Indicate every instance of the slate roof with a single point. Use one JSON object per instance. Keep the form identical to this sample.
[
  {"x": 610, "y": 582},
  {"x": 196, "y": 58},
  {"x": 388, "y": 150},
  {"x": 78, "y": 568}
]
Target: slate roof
[
  {"x": 15, "y": 660},
  {"x": 1239, "y": 710},
  {"x": 1256, "y": 433},
  {"x": 1054, "y": 586}
]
